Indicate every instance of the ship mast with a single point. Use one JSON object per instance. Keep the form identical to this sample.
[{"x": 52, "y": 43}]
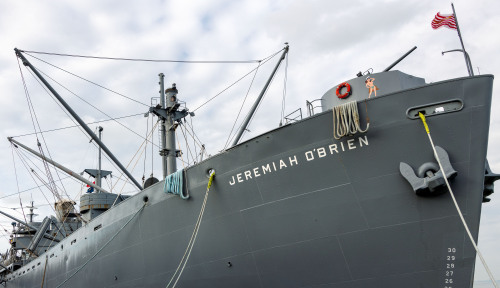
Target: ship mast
[
  {"x": 170, "y": 115},
  {"x": 78, "y": 119},
  {"x": 98, "y": 180},
  {"x": 57, "y": 165},
  {"x": 168, "y": 152},
  {"x": 170, "y": 148},
  {"x": 162, "y": 127},
  {"x": 99, "y": 173}
]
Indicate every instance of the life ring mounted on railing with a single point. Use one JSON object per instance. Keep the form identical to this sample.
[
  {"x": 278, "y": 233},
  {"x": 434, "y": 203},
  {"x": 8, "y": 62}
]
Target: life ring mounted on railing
[{"x": 347, "y": 93}]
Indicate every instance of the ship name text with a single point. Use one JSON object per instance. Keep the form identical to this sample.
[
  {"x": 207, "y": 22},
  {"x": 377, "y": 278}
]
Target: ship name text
[{"x": 294, "y": 160}]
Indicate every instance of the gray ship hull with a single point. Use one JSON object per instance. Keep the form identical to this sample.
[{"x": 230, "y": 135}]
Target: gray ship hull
[{"x": 296, "y": 208}]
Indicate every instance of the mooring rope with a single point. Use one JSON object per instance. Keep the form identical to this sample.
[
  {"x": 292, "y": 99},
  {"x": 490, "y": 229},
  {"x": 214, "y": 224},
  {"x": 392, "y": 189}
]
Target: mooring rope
[
  {"x": 346, "y": 120},
  {"x": 45, "y": 270},
  {"x": 456, "y": 204},
  {"x": 190, "y": 245}
]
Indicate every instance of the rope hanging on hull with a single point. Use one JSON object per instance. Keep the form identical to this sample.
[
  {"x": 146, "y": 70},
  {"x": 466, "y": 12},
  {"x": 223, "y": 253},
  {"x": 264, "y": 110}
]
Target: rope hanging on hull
[
  {"x": 346, "y": 120},
  {"x": 173, "y": 184}
]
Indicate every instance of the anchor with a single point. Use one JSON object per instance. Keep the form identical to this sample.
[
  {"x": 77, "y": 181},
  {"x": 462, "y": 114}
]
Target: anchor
[{"x": 429, "y": 177}]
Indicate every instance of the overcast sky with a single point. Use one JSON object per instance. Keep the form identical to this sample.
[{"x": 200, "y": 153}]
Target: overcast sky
[{"x": 330, "y": 41}]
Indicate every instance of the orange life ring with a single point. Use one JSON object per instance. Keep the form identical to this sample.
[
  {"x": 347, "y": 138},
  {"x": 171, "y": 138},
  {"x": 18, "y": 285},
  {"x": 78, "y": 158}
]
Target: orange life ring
[{"x": 347, "y": 93}]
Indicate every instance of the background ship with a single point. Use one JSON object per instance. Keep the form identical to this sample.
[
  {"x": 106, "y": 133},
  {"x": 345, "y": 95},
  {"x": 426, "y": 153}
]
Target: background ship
[{"x": 300, "y": 206}]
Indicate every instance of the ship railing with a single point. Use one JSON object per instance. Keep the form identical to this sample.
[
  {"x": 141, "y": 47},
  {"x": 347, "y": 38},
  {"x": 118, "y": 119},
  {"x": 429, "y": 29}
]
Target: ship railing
[
  {"x": 311, "y": 106},
  {"x": 294, "y": 116}
]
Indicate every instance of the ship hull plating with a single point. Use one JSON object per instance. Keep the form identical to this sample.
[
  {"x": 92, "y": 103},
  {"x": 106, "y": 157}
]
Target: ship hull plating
[{"x": 296, "y": 208}]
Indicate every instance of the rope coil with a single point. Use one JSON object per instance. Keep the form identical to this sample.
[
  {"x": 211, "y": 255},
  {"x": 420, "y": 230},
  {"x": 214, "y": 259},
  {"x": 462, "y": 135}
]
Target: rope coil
[
  {"x": 174, "y": 184},
  {"x": 346, "y": 120}
]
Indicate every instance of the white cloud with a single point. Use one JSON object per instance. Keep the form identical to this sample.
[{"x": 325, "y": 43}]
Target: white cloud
[{"x": 330, "y": 42}]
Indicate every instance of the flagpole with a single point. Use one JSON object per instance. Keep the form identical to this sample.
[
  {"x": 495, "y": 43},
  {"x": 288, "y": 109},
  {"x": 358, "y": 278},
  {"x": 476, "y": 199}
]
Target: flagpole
[{"x": 467, "y": 61}]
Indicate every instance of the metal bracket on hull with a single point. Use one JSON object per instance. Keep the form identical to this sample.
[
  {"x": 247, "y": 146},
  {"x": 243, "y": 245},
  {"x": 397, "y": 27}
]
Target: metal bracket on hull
[
  {"x": 489, "y": 178},
  {"x": 429, "y": 177},
  {"x": 432, "y": 109}
]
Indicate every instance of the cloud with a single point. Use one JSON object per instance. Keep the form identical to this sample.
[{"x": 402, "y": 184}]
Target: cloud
[{"x": 330, "y": 41}]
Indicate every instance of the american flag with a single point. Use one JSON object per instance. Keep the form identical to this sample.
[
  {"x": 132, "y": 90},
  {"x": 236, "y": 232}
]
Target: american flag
[{"x": 446, "y": 20}]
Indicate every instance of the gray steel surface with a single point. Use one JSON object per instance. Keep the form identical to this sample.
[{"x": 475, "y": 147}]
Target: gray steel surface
[{"x": 296, "y": 208}]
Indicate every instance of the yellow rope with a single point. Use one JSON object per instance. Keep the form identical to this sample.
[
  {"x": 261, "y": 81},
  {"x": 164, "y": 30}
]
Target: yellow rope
[
  {"x": 425, "y": 123},
  {"x": 190, "y": 245}
]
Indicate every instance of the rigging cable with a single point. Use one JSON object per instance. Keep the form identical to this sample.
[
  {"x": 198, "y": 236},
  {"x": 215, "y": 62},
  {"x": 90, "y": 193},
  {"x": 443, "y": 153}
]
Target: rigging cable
[
  {"x": 152, "y": 143},
  {"x": 91, "y": 106},
  {"x": 253, "y": 61},
  {"x": 33, "y": 116},
  {"x": 181, "y": 154},
  {"x": 76, "y": 126},
  {"x": 110, "y": 183},
  {"x": 26, "y": 92},
  {"x": 104, "y": 246},
  {"x": 19, "y": 152},
  {"x": 64, "y": 87},
  {"x": 30, "y": 107},
  {"x": 80, "y": 126},
  {"x": 81, "y": 164},
  {"x": 17, "y": 183},
  {"x": 257, "y": 108},
  {"x": 144, "y": 60},
  {"x": 45, "y": 269},
  {"x": 140, "y": 148},
  {"x": 145, "y": 152},
  {"x": 229, "y": 138},
  {"x": 194, "y": 136},
  {"x": 62, "y": 220},
  {"x": 27, "y": 190},
  {"x": 234, "y": 83},
  {"x": 188, "y": 148},
  {"x": 284, "y": 92},
  {"x": 5, "y": 232},
  {"x": 194, "y": 140},
  {"x": 202, "y": 146},
  {"x": 191, "y": 133},
  {"x": 43, "y": 138},
  {"x": 38, "y": 186},
  {"x": 24, "y": 160},
  {"x": 126, "y": 180},
  {"x": 98, "y": 85},
  {"x": 50, "y": 185},
  {"x": 89, "y": 103}
]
